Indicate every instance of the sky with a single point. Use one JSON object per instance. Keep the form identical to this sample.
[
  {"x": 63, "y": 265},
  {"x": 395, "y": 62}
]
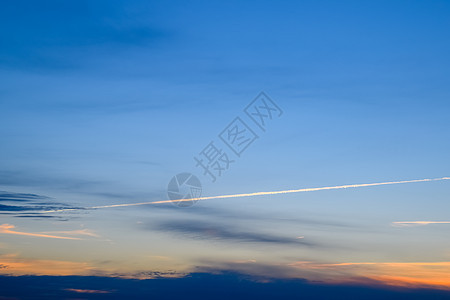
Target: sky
[{"x": 104, "y": 103}]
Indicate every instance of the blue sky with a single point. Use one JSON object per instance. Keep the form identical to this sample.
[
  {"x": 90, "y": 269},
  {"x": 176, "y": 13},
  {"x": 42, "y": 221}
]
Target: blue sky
[{"x": 103, "y": 102}]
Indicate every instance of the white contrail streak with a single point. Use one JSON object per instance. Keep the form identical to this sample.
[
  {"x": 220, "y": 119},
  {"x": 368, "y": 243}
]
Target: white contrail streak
[{"x": 259, "y": 193}]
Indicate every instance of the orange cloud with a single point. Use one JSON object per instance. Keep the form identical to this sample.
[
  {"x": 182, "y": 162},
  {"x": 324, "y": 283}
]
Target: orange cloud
[
  {"x": 7, "y": 229},
  {"x": 14, "y": 265},
  {"x": 11, "y": 264},
  {"x": 406, "y": 274}
]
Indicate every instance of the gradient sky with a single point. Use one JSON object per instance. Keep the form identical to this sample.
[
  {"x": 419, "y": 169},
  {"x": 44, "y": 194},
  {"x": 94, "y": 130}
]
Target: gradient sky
[{"x": 102, "y": 102}]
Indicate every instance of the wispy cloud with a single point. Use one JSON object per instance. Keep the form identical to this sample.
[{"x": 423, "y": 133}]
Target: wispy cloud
[
  {"x": 85, "y": 232},
  {"x": 84, "y": 291},
  {"x": 9, "y": 196},
  {"x": 9, "y": 229},
  {"x": 25, "y": 205},
  {"x": 214, "y": 231},
  {"x": 418, "y": 223},
  {"x": 227, "y": 214}
]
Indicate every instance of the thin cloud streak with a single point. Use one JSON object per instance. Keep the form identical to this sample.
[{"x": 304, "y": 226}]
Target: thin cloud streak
[
  {"x": 85, "y": 231},
  {"x": 84, "y": 291},
  {"x": 224, "y": 232},
  {"x": 7, "y": 229},
  {"x": 418, "y": 223}
]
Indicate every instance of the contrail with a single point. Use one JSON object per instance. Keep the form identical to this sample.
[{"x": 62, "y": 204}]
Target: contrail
[{"x": 260, "y": 193}]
